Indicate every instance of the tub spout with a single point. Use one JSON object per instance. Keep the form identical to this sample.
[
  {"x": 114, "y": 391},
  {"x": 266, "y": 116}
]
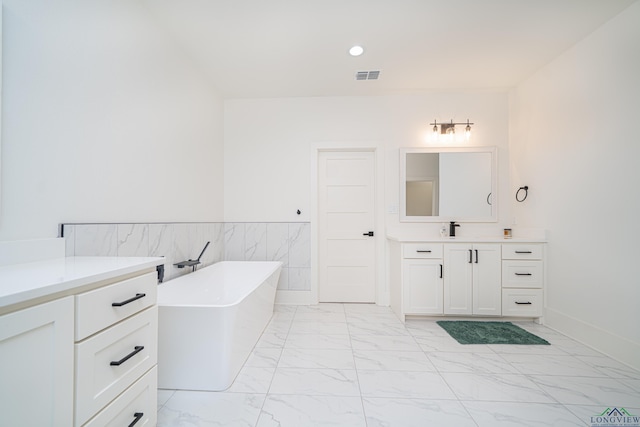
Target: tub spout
[{"x": 191, "y": 262}]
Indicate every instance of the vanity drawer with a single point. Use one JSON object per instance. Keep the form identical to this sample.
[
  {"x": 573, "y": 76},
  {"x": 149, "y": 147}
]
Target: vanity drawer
[
  {"x": 95, "y": 310},
  {"x": 521, "y": 251},
  {"x": 422, "y": 250},
  {"x": 138, "y": 401},
  {"x": 109, "y": 362},
  {"x": 522, "y": 274},
  {"x": 522, "y": 302}
]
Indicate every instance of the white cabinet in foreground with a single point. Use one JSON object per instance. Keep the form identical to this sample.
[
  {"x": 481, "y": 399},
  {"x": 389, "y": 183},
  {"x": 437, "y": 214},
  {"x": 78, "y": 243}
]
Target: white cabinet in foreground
[
  {"x": 78, "y": 342},
  {"x": 36, "y": 365}
]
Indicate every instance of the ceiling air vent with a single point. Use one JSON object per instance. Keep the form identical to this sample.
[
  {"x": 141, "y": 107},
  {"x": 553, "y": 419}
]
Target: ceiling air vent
[{"x": 367, "y": 75}]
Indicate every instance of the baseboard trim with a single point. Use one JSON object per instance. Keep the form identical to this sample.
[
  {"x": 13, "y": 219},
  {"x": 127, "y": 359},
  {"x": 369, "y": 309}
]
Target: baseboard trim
[
  {"x": 293, "y": 297},
  {"x": 614, "y": 346}
]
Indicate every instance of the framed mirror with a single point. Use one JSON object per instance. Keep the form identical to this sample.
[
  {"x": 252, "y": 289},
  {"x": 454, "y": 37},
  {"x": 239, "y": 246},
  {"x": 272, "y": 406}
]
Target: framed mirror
[{"x": 448, "y": 184}]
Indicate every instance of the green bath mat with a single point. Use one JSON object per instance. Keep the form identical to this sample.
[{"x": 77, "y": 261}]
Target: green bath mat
[{"x": 467, "y": 332}]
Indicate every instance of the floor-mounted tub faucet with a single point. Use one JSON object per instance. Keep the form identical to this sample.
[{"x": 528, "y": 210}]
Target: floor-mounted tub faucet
[{"x": 192, "y": 263}]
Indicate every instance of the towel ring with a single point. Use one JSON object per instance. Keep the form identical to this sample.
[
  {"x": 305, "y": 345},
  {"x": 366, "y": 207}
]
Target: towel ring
[{"x": 526, "y": 193}]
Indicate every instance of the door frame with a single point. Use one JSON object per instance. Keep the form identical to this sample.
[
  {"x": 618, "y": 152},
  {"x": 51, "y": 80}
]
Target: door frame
[{"x": 377, "y": 148}]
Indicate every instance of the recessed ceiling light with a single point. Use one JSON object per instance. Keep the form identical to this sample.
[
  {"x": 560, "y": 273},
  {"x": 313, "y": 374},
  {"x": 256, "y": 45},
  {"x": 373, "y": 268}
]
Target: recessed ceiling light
[{"x": 356, "y": 51}]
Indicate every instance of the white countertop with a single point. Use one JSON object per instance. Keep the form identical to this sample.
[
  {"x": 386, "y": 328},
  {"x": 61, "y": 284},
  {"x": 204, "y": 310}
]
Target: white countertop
[
  {"x": 21, "y": 283},
  {"x": 406, "y": 238}
]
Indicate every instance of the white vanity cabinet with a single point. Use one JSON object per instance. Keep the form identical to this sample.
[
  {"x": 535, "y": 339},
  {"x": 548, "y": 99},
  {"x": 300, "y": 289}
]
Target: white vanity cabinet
[
  {"x": 422, "y": 272},
  {"x": 522, "y": 279},
  {"x": 472, "y": 279},
  {"x": 466, "y": 278},
  {"x": 78, "y": 342},
  {"x": 36, "y": 365},
  {"x": 116, "y": 345}
]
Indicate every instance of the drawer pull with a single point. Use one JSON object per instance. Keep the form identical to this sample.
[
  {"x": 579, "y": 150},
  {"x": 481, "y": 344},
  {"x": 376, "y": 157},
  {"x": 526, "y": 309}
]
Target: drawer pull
[
  {"x": 136, "y": 417},
  {"x": 441, "y": 271},
  {"x": 523, "y": 274},
  {"x": 523, "y": 303},
  {"x": 137, "y": 349},
  {"x": 120, "y": 304},
  {"x": 419, "y": 251},
  {"x": 523, "y": 252}
]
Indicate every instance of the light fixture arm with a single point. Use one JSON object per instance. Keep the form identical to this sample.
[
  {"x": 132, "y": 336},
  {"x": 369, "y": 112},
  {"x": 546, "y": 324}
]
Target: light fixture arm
[
  {"x": 436, "y": 123},
  {"x": 449, "y": 128}
]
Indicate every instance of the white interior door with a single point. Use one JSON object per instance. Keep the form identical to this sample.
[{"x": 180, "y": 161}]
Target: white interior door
[{"x": 346, "y": 265}]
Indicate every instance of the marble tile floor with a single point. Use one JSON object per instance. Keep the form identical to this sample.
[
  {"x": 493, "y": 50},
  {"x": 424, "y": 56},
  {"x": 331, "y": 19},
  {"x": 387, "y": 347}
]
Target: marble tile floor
[{"x": 357, "y": 365}]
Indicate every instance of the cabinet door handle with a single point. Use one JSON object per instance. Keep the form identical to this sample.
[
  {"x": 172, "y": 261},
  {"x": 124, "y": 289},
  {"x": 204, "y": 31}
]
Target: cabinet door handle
[
  {"x": 137, "y": 349},
  {"x": 523, "y": 252},
  {"x": 523, "y": 274},
  {"x": 419, "y": 251},
  {"x": 470, "y": 256},
  {"x": 441, "y": 271},
  {"x": 120, "y": 304},
  {"x": 369, "y": 233},
  {"x": 136, "y": 417},
  {"x": 476, "y": 256},
  {"x": 523, "y": 303}
]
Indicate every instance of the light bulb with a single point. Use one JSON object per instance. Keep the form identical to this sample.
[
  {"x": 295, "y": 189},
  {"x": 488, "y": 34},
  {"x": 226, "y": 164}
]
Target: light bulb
[{"x": 356, "y": 51}]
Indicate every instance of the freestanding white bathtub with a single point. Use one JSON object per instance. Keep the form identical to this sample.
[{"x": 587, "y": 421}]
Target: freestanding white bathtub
[{"x": 210, "y": 320}]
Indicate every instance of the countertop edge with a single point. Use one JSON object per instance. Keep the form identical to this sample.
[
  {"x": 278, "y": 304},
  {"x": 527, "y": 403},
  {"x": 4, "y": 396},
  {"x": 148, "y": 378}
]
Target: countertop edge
[{"x": 104, "y": 268}]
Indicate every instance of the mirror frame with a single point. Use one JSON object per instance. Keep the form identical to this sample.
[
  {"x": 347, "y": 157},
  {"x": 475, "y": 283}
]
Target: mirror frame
[{"x": 434, "y": 150}]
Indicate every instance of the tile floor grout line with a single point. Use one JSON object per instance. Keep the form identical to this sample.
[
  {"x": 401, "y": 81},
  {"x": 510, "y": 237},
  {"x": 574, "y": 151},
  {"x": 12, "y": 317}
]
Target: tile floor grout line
[{"x": 266, "y": 396}]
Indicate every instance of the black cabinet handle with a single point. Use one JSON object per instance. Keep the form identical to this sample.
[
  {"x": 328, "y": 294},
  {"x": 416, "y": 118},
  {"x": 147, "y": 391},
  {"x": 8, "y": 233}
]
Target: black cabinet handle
[
  {"x": 523, "y": 303},
  {"x": 136, "y": 417},
  {"x": 441, "y": 271},
  {"x": 120, "y": 304},
  {"x": 523, "y": 274},
  {"x": 370, "y": 234},
  {"x": 523, "y": 252},
  {"x": 476, "y": 256},
  {"x": 427, "y": 252},
  {"x": 470, "y": 256},
  {"x": 137, "y": 349}
]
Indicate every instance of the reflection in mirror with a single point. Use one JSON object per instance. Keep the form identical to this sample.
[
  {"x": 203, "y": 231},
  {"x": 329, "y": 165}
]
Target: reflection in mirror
[{"x": 448, "y": 184}]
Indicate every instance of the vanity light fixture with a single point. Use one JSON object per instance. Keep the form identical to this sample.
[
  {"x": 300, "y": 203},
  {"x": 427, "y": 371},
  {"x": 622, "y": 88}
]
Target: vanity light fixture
[{"x": 449, "y": 129}]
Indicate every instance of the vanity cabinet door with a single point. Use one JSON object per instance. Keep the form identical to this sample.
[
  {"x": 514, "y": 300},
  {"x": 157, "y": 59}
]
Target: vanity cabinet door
[
  {"x": 423, "y": 286},
  {"x": 36, "y": 365},
  {"x": 458, "y": 278},
  {"x": 472, "y": 279},
  {"x": 487, "y": 279}
]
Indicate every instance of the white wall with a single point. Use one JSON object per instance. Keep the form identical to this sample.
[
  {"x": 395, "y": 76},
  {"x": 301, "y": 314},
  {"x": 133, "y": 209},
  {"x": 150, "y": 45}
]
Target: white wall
[
  {"x": 269, "y": 147},
  {"x": 575, "y": 143},
  {"x": 104, "y": 119}
]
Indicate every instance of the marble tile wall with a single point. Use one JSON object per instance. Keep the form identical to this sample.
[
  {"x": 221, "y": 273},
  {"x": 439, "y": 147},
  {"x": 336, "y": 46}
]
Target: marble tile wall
[{"x": 286, "y": 242}]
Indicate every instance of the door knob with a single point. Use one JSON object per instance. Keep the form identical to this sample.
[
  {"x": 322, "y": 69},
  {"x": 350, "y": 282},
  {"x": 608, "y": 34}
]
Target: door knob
[{"x": 370, "y": 234}]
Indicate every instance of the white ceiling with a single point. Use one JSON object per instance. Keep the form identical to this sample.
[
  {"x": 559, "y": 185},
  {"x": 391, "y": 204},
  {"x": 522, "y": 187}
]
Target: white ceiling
[{"x": 283, "y": 48}]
